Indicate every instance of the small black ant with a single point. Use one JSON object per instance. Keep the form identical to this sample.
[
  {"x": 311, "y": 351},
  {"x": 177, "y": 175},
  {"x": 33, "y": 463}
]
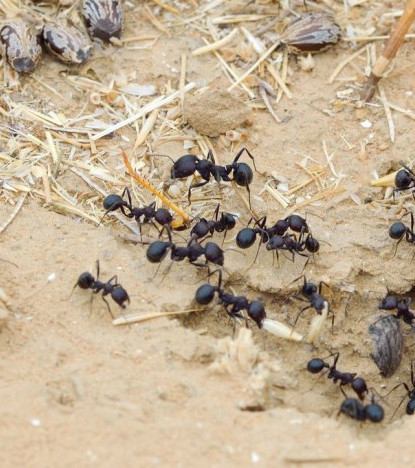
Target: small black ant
[
  {"x": 205, "y": 227},
  {"x": 312, "y": 294},
  {"x": 188, "y": 164},
  {"x": 358, "y": 384},
  {"x": 158, "y": 250},
  {"x": 232, "y": 304},
  {"x": 404, "y": 179},
  {"x": 289, "y": 243},
  {"x": 353, "y": 408},
  {"x": 410, "y": 393},
  {"x": 112, "y": 287},
  {"x": 402, "y": 306}
]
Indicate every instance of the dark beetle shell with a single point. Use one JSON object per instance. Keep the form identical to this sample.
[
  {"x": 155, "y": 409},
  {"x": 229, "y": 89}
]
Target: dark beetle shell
[
  {"x": 20, "y": 45},
  {"x": 387, "y": 338},
  {"x": 314, "y": 32},
  {"x": 103, "y": 18},
  {"x": 66, "y": 42}
]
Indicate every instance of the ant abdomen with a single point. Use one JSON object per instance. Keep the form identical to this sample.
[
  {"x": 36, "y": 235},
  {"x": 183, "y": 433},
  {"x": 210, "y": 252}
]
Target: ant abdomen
[
  {"x": 120, "y": 295},
  {"x": 157, "y": 251},
  {"x": 245, "y": 238},
  {"x": 205, "y": 294},
  {"x": 316, "y": 365},
  {"x": 397, "y": 230},
  {"x": 410, "y": 407},
  {"x": 243, "y": 175}
]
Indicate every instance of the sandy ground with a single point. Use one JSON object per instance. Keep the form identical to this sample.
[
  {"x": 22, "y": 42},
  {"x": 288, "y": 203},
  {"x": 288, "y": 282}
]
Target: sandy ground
[{"x": 78, "y": 391}]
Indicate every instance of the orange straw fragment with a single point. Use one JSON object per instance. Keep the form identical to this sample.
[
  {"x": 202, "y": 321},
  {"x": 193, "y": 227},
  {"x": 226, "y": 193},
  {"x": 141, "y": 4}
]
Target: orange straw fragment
[{"x": 148, "y": 186}]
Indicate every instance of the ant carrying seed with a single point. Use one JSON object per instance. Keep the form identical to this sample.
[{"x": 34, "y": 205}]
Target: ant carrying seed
[
  {"x": 358, "y": 384},
  {"x": 143, "y": 215},
  {"x": 112, "y": 287},
  {"x": 188, "y": 164},
  {"x": 353, "y": 408},
  {"x": 235, "y": 305},
  {"x": 158, "y": 250}
]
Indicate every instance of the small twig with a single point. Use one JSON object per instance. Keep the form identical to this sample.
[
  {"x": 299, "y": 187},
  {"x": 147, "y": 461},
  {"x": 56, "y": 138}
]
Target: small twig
[{"x": 14, "y": 213}]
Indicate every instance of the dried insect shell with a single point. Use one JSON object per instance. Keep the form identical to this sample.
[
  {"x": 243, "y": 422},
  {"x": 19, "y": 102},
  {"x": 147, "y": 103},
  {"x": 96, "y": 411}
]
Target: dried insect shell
[
  {"x": 387, "y": 338},
  {"x": 103, "y": 18},
  {"x": 20, "y": 44},
  {"x": 66, "y": 42},
  {"x": 314, "y": 32}
]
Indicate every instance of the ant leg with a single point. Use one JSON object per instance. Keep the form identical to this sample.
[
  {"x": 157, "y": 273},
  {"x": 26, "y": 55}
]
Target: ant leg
[
  {"x": 115, "y": 277},
  {"x": 249, "y": 196},
  {"x": 108, "y": 306},
  {"x": 239, "y": 154},
  {"x": 210, "y": 156},
  {"x": 300, "y": 313},
  {"x": 97, "y": 267},
  {"x": 199, "y": 184},
  {"x": 342, "y": 390}
]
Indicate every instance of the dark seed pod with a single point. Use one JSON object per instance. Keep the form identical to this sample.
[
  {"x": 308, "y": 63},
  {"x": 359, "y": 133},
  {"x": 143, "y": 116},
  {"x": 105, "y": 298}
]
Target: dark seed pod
[
  {"x": 20, "y": 45},
  {"x": 387, "y": 338},
  {"x": 314, "y": 32},
  {"x": 103, "y": 18},
  {"x": 67, "y": 43}
]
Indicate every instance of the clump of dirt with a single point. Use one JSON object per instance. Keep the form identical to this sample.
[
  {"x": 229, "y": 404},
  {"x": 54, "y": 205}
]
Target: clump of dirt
[{"x": 215, "y": 111}]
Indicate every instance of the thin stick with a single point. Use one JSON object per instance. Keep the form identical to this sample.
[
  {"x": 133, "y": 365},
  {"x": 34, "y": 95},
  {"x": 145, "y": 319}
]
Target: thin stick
[
  {"x": 127, "y": 319},
  {"x": 216, "y": 45},
  {"x": 392, "y": 46},
  {"x": 388, "y": 112},
  {"x": 14, "y": 213},
  {"x": 342, "y": 64},
  {"x": 144, "y": 183}
]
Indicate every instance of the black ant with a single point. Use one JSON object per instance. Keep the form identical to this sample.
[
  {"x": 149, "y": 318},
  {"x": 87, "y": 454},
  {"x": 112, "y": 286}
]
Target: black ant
[
  {"x": 358, "y": 384},
  {"x": 410, "y": 393},
  {"x": 312, "y": 294},
  {"x": 112, "y": 287},
  {"x": 353, "y": 408},
  {"x": 402, "y": 306},
  {"x": 404, "y": 179},
  {"x": 290, "y": 243},
  {"x": 158, "y": 250},
  {"x": 205, "y": 227},
  {"x": 232, "y": 304},
  {"x": 143, "y": 215},
  {"x": 188, "y": 164}
]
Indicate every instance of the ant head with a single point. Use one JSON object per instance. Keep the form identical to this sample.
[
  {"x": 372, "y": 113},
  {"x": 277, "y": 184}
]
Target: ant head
[
  {"x": 256, "y": 312},
  {"x": 397, "y": 230},
  {"x": 245, "y": 238},
  {"x": 120, "y": 295},
  {"x": 374, "y": 412},
  {"x": 112, "y": 202},
  {"x": 309, "y": 288},
  {"x": 185, "y": 166},
  {"x": 410, "y": 407},
  {"x": 316, "y": 365},
  {"x": 86, "y": 280},
  {"x": 163, "y": 216},
  {"x": 205, "y": 293},
  {"x": 388, "y": 303},
  {"x": 403, "y": 179},
  {"x": 242, "y": 174},
  {"x": 229, "y": 220},
  {"x": 214, "y": 253},
  {"x": 157, "y": 251}
]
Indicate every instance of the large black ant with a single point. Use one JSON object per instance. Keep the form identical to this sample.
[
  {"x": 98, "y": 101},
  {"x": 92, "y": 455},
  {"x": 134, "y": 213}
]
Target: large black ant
[
  {"x": 142, "y": 215},
  {"x": 289, "y": 243},
  {"x": 353, "y": 408},
  {"x": 158, "y": 250},
  {"x": 112, "y": 287},
  {"x": 205, "y": 227},
  {"x": 358, "y": 384},
  {"x": 402, "y": 306},
  {"x": 232, "y": 304},
  {"x": 188, "y": 164},
  {"x": 410, "y": 393}
]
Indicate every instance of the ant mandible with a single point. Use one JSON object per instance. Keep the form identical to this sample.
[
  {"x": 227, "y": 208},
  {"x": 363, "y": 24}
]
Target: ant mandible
[
  {"x": 142, "y": 215},
  {"x": 358, "y": 384},
  {"x": 112, "y": 287},
  {"x": 188, "y": 164},
  {"x": 353, "y": 408}
]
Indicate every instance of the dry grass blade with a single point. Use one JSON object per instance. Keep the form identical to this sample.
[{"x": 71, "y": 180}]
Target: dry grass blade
[
  {"x": 216, "y": 45},
  {"x": 138, "y": 318},
  {"x": 14, "y": 213}
]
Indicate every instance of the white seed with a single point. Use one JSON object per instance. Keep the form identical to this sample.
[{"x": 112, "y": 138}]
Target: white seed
[
  {"x": 281, "y": 330},
  {"x": 317, "y": 324}
]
